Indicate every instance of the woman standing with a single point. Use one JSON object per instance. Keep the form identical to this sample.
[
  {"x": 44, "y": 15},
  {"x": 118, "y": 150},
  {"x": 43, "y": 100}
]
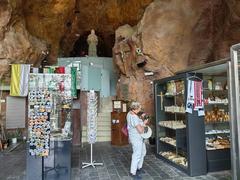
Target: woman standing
[{"x": 135, "y": 129}]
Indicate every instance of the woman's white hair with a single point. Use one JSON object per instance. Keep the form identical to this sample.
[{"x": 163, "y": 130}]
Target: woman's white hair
[{"x": 135, "y": 105}]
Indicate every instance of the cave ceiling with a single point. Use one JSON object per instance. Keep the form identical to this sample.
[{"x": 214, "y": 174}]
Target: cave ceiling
[{"x": 61, "y": 23}]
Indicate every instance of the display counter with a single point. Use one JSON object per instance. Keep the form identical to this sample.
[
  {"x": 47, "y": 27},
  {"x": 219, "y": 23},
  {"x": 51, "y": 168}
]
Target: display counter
[{"x": 56, "y": 166}]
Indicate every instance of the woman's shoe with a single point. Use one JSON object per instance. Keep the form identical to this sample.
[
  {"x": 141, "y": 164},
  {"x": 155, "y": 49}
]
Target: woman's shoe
[
  {"x": 140, "y": 171},
  {"x": 136, "y": 176}
]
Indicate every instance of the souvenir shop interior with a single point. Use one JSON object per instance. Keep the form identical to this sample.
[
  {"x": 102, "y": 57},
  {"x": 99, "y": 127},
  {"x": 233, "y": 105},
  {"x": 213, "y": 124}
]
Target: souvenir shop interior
[
  {"x": 193, "y": 128},
  {"x": 71, "y": 71}
]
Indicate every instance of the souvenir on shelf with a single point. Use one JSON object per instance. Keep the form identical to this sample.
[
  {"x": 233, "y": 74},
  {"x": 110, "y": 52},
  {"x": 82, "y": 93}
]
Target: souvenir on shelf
[
  {"x": 216, "y": 99},
  {"x": 217, "y": 143},
  {"x": 218, "y": 115},
  {"x": 218, "y": 86},
  {"x": 174, "y": 88},
  {"x": 171, "y": 88},
  {"x": 210, "y": 84}
]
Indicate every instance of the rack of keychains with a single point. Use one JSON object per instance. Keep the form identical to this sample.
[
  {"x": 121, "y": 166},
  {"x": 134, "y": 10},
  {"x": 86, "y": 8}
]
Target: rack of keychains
[{"x": 42, "y": 88}]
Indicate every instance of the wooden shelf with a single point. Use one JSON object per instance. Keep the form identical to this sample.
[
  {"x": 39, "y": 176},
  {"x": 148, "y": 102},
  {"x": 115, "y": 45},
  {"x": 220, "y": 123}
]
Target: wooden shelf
[
  {"x": 171, "y": 127},
  {"x": 174, "y": 146},
  {"x": 216, "y": 149},
  {"x": 171, "y": 96},
  {"x": 212, "y": 133},
  {"x": 175, "y": 112},
  {"x": 209, "y": 104},
  {"x": 208, "y": 90},
  {"x": 210, "y": 123},
  {"x": 176, "y": 164}
]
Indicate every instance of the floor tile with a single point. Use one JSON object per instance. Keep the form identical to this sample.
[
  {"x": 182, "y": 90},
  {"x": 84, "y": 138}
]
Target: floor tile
[{"x": 116, "y": 164}]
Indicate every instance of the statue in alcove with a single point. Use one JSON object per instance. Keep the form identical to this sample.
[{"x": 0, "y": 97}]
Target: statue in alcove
[{"x": 92, "y": 41}]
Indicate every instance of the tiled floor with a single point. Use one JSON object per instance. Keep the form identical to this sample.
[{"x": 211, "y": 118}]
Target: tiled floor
[{"x": 116, "y": 162}]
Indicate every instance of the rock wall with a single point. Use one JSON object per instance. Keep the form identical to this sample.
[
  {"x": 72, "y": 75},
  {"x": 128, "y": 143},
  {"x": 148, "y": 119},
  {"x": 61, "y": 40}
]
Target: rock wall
[
  {"x": 17, "y": 45},
  {"x": 171, "y": 36},
  {"x": 50, "y": 21},
  {"x": 163, "y": 38}
]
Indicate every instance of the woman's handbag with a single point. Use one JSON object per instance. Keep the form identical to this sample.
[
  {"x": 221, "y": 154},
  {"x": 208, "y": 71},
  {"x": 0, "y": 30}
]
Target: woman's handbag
[
  {"x": 147, "y": 133},
  {"x": 125, "y": 130}
]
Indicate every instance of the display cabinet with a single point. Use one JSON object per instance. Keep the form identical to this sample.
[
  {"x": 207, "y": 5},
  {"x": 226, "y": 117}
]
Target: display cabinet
[
  {"x": 180, "y": 136},
  {"x": 217, "y": 132}
]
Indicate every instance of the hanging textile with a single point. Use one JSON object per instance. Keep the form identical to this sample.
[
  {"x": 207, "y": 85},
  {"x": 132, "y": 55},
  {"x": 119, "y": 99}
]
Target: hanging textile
[
  {"x": 74, "y": 82},
  {"x": 51, "y": 70},
  {"x": 190, "y": 96},
  {"x": 19, "y": 79},
  {"x": 60, "y": 70},
  {"x": 45, "y": 70},
  {"x": 35, "y": 70},
  {"x": 195, "y": 97}
]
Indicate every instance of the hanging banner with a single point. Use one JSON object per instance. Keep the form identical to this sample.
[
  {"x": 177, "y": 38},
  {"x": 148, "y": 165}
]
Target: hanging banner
[
  {"x": 19, "y": 79},
  {"x": 195, "y": 97},
  {"x": 60, "y": 70},
  {"x": 74, "y": 82}
]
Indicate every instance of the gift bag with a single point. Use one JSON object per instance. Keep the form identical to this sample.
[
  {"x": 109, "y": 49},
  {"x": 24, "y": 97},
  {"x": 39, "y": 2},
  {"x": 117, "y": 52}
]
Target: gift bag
[{"x": 125, "y": 130}]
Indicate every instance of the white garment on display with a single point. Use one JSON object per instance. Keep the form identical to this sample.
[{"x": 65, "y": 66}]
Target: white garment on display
[{"x": 190, "y": 96}]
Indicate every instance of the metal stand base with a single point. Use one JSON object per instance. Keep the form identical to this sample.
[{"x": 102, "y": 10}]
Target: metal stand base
[{"x": 92, "y": 163}]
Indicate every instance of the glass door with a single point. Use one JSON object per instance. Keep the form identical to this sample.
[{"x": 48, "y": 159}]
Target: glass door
[{"x": 233, "y": 75}]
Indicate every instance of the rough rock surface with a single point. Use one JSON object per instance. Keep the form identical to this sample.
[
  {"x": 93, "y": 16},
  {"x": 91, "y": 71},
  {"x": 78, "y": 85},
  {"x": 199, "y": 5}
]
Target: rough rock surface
[
  {"x": 172, "y": 35},
  {"x": 16, "y": 44},
  {"x": 169, "y": 36},
  {"x": 49, "y": 20},
  {"x": 61, "y": 23}
]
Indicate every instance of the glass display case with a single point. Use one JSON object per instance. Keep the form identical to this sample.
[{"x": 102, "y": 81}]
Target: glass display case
[
  {"x": 217, "y": 119},
  {"x": 180, "y": 135},
  {"x": 217, "y": 130}
]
